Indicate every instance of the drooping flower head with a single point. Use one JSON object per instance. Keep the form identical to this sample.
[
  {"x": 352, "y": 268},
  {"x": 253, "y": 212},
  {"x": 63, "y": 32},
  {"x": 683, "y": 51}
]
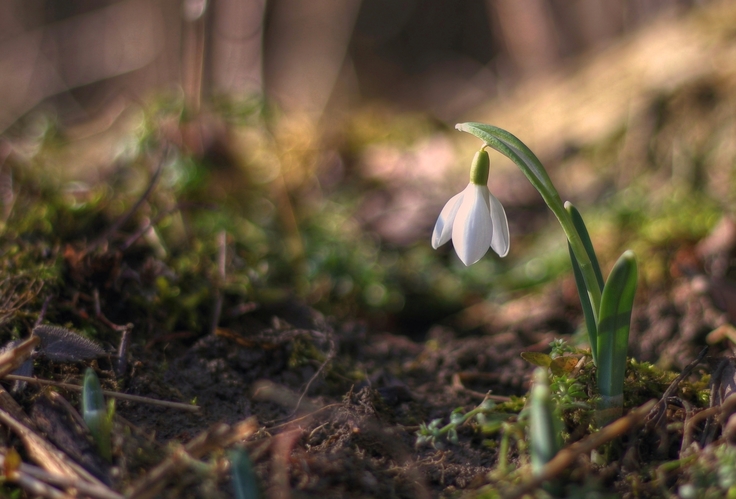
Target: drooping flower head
[{"x": 474, "y": 218}]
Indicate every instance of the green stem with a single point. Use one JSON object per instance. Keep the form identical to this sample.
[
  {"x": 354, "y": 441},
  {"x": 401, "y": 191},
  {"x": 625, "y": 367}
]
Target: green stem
[{"x": 511, "y": 147}]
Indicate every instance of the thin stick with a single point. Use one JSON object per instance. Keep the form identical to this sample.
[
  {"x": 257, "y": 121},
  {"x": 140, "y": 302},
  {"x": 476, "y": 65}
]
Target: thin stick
[
  {"x": 457, "y": 384},
  {"x": 38, "y": 488},
  {"x": 566, "y": 457},
  {"x": 660, "y": 410},
  {"x": 11, "y": 359},
  {"x": 221, "y": 435},
  {"x": 687, "y": 436},
  {"x": 306, "y": 416},
  {"x": 117, "y": 395},
  {"x": 330, "y": 355},
  {"x": 222, "y": 275},
  {"x": 153, "y": 222},
  {"x": 42, "y": 313},
  {"x": 43, "y": 452},
  {"x": 91, "y": 489},
  {"x": 103, "y": 318},
  {"x": 122, "y": 364}
]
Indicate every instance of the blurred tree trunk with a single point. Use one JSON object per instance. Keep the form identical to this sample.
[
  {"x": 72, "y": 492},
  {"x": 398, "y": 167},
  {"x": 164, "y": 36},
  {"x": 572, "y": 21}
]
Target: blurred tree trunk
[
  {"x": 78, "y": 50},
  {"x": 305, "y": 51},
  {"x": 237, "y": 45},
  {"x": 527, "y": 33}
]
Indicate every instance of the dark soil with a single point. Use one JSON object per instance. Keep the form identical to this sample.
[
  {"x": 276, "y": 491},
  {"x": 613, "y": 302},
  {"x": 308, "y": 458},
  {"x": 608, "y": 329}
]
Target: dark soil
[
  {"x": 337, "y": 404},
  {"x": 348, "y": 438},
  {"x": 329, "y": 405}
]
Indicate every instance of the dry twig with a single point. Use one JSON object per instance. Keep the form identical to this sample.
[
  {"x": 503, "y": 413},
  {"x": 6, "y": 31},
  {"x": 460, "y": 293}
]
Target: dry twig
[
  {"x": 37, "y": 481},
  {"x": 221, "y": 275},
  {"x": 117, "y": 395},
  {"x": 45, "y": 454},
  {"x": 11, "y": 359},
  {"x": 656, "y": 416},
  {"x": 163, "y": 155},
  {"x": 566, "y": 457},
  {"x": 219, "y": 436}
]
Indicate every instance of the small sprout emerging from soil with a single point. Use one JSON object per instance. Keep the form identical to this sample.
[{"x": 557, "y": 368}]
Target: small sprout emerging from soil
[
  {"x": 96, "y": 414},
  {"x": 545, "y": 424},
  {"x": 432, "y": 433},
  {"x": 245, "y": 483},
  {"x": 61, "y": 345}
]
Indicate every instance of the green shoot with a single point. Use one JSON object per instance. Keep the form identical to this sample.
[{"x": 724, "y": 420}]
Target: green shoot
[
  {"x": 613, "y": 332},
  {"x": 244, "y": 479},
  {"x": 544, "y": 423},
  {"x": 96, "y": 414},
  {"x": 432, "y": 433}
]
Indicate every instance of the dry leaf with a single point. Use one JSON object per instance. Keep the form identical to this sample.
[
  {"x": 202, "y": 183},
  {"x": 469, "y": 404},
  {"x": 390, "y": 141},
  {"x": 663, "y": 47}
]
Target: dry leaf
[{"x": 61, "y": 345}]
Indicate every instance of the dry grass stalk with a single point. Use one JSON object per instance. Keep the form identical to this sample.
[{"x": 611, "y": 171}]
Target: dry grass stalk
[
  {"x": 217, "y": 437},
  {"x": 44, "y": 453},
  {"x": 37, "y": 481},
  {"x": 11, "y": 359},
  {"x": 107, "y": 393},
  {"x": 567, "y": 456}
]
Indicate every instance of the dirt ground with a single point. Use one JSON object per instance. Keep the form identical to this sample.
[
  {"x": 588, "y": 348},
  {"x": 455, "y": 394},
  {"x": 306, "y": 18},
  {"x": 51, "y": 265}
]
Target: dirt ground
[
  {"x": 330, "y": 405},
  {"x": 337, "y": 405}
]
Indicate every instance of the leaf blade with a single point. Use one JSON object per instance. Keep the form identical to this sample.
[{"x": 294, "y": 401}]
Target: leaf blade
[{"x": 614, "y": 323}]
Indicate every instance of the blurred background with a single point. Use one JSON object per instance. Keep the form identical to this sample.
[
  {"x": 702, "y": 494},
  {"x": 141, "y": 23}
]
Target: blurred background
[
  {"x": 323, "y": 130},
  {"x": 316, "y": 57}
]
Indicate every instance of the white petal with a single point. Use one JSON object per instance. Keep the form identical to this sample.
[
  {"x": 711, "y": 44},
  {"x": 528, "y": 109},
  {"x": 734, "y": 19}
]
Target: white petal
[
  {"x": 501, "y": 240},
  {"x": 443, "y": 227},
  {"x": 472, "y": 231}
]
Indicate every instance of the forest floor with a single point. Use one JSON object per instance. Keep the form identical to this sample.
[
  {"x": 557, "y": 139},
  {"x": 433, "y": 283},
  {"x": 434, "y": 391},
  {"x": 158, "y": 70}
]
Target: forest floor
[{"x": 276, "y": 282}]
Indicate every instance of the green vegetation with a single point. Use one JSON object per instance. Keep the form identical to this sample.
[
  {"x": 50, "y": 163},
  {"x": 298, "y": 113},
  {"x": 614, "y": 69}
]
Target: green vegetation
[{"x": 183, "y": 236}]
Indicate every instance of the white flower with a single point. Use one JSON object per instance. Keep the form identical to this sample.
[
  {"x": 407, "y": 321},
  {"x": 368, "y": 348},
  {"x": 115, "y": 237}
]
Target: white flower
[{"x": 476, "y": 221}]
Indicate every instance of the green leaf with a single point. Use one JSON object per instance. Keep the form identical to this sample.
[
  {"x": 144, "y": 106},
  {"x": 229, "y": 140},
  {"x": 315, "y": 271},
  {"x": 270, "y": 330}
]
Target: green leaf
[
  {"x": 537, "y": 358},
  {"x": 96, "y": 414},
  {"x": 588, "y": 310},
  {"x": 577, "y": 220},
  {"x": 588, "y": 314},
  {"x": 614, "y": 323},
  {"x": 544, "y": 423},
  {"x": 245, "y": 483}
]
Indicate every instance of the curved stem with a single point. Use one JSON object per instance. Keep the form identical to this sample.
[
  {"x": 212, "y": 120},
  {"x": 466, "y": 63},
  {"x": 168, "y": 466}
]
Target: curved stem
[{"x": 511, "y": 147}]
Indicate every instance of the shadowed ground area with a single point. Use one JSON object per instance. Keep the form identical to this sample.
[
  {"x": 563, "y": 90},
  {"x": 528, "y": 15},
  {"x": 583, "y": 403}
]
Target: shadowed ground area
[{"x": 274, "y": 279}]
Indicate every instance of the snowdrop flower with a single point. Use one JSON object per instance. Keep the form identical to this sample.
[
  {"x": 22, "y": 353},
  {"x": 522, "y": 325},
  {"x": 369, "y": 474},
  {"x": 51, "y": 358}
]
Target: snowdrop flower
[{"x": 474, "y": 218}]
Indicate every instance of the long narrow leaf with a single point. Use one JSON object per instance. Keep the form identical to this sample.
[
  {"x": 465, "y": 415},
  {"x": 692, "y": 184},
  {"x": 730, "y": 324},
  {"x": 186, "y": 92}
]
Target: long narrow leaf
[
  {"x": 614, "y": 322},
  {"x": 589, "y": 313},
  {"x": 96, "y": 414},
  {"x": 245, "y": 483},
  {"x": 582, "y": 230}
]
